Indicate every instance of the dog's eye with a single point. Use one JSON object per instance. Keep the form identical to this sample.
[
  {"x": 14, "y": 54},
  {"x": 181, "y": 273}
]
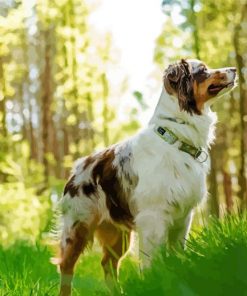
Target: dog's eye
[{"x": 201, "y": 70}]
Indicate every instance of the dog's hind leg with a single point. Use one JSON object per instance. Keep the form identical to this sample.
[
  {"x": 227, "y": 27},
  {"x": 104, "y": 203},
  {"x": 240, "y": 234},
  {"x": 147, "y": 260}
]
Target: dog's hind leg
[
  {"x": 73, "y": 243},
  {"x": 115, "y": 243}
]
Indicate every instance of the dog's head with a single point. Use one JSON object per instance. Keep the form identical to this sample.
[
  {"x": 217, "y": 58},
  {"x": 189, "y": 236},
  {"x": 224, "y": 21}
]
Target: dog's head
[{"x": 194, "y": 84}]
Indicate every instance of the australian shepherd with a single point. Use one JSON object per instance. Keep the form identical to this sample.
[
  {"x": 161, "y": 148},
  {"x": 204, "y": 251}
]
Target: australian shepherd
[{"x": 149, "y": 183}]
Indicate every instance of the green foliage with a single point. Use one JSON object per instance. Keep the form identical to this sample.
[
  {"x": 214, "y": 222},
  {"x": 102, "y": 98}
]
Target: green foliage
[
  {"x": 214, "y": 263},
  {"x": 25, "y": 270},
  {"x": 25, "y": 204},
  {"x": 89, "y": 276},
  {"x": 139, "y": 97},
  {"x": 23, "y": 213}
]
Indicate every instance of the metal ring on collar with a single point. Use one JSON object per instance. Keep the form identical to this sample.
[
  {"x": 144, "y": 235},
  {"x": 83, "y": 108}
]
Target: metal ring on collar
[{"x": 201, "y": 155}]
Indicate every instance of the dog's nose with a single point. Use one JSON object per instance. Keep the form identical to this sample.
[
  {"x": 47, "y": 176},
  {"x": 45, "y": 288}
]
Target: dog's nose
[{"x": 233, "y": 69}]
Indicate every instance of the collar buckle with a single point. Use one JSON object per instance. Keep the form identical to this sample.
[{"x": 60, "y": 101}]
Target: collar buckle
[{"x": 201, "y": 155}]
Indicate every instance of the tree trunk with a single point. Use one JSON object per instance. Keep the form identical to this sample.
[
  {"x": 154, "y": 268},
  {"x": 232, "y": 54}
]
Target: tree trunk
[
  {"x": 105, "y": 110},
  {"x": 76, "y": 129},
  {"x": 242, "y": 111},
  {"x": 25, "y": 88},
  {"x": 55, "y": 148},
  {"x": 90, "y": 119},
  {"x": 196, "y": 44},
  {"x": 3, "y": 127},
  {"x": 214, "y": 207},
  {"x": 227, "y": 185},
  {"x": 65, "y": 129},
  {"x": 22, "y": 106},
  {"x": 46, "y": 104}
]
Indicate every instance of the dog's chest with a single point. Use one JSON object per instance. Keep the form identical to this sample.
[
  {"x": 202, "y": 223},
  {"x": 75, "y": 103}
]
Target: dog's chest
[{"x": 168, "y": 178}]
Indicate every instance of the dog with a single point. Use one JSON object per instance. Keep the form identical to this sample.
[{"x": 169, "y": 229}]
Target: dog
[{"x": 149, "y": 183}]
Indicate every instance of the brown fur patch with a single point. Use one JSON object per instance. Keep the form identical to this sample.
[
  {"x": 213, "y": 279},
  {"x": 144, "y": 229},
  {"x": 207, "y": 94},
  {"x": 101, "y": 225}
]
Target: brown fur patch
[
  {"x": 201, "y": 87},
  {"x": 178, "y": 81},
  {"x": 68, "y": 241},
  {"x": 75, "y": 244},
  {"x": 71, "y": 188},
  {"x": 105, "y": 174},
  {"x": 125, "y": 166},
  {"x": 88, "y": 161},
  {"x": 199, "y": 77},
  {"x": 115, "y": 243},
  {"x": 77, "y": 240}
]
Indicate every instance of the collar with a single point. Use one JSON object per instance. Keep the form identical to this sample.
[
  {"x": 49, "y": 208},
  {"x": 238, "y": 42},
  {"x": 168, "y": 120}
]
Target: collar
[
  {"x": 197, "y": 153},
  {"x": 177, "y": 120}
]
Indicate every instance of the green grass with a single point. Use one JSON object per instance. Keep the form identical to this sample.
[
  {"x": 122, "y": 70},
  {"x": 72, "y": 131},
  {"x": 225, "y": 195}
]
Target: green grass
[{"x": 214, "y": 263}]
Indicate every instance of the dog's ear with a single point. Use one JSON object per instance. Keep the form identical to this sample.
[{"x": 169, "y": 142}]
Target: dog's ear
[
  {"x": 178, "y": 79},
  {"x": 171, "y": 78}
]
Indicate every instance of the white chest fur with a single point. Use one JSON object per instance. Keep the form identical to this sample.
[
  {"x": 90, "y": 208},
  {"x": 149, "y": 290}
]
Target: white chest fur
[
  {"x": 169, "y": 179},
  {"x": 168, "y": 176},
  {"x": 170, "y": 182}
]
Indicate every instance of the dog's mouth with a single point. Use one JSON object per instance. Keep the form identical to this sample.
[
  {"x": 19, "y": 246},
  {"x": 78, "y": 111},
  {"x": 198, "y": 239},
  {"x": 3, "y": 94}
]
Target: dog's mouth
[{"x": 214, "y": 89}]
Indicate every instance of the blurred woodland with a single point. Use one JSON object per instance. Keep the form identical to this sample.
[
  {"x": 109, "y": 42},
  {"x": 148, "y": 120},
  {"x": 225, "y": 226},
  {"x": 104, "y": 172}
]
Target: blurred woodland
[{"x": 55, "y": 101}]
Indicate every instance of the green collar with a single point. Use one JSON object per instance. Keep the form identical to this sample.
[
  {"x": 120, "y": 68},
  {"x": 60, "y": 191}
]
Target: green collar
[
  {"x": 177, "y": 120},
  {"x": 167, "y": 135}
]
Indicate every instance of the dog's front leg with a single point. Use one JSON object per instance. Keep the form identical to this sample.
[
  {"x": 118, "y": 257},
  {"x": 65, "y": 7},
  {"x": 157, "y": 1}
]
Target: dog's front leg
[
  {"x": 152, "y": 231},
  {"x": 178, "y": 233}
]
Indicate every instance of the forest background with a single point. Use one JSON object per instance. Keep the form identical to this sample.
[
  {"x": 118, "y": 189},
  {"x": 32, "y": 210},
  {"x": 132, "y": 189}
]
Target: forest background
[{"x": 63, "y": 95}]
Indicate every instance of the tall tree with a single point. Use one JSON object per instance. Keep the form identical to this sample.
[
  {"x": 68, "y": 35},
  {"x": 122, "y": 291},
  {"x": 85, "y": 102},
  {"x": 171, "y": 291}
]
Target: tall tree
[
  {"x": 46, "y": 100},
  {"x": 237, "y": 32}
]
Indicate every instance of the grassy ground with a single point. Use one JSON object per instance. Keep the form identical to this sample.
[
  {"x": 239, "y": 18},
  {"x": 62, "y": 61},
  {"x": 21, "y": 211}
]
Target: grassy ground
[{"x": 215, "y": 263}]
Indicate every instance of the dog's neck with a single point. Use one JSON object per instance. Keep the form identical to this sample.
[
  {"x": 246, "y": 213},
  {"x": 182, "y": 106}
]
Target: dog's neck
[{"x": 195, "y": 129}]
